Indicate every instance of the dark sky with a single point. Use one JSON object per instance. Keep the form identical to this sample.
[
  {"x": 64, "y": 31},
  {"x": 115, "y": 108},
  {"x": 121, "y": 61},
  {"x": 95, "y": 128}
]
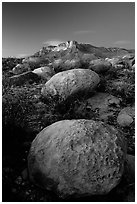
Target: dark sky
[{"x": 27, "y": 26}]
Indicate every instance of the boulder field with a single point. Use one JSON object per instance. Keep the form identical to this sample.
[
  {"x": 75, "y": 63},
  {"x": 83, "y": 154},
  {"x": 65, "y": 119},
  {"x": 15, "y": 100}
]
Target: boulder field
[{"x": 69, "y": 120}]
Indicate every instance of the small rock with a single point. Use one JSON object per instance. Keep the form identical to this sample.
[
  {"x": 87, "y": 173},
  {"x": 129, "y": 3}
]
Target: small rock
[
  {"x": 126, "y": 116},
  {"x": 101, "y": 105},
  {"x": 18, "y": 180},
  {"x": 24, "y": 174},
  {"x": 27, "y": 193},
  {"x": 124, "y": 120},
  {"x": 20, "y": 68},
  {"x": 100, "y": 65}
]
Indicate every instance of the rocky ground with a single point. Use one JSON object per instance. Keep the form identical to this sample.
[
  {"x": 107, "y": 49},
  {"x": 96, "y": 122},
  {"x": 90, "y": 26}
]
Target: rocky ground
[{"x": 37, "y": 92}]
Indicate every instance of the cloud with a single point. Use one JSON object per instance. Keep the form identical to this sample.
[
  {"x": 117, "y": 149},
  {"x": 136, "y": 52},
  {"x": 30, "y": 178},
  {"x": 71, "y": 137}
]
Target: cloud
[
  {"x": 22, "y": 55},
  {"x": 81, "y": 32},
  {"x": 52, "y": 42},
  {"x": 122, "y": 42}
]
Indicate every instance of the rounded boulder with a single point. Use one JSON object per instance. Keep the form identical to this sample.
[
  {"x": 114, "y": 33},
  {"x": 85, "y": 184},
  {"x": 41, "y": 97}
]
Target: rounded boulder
[
  {"x": 99, "y": 65},
  {"x": 126, "y": 116},
  {"x": 20, "y": 68},
  {"x": 69, "y": 83},
  {"x": 77, "y": 158},
  {"x": 44, "y": 72}
]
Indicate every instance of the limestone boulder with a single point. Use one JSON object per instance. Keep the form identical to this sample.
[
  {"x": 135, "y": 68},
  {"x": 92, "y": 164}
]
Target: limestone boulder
[
  {"x": 44, "y": 72},
  {"x": 69, "y": 83},
  {"x": 102, "y": 106},
  {"x": 99, "y": 65},
  {"x": 126, "y": 116},
  {"x": 77, "y": 158},
  {"x": 64, "y": 65},
  {"x": 20, "y": 68},
  {"x": 71, "y": 64}
]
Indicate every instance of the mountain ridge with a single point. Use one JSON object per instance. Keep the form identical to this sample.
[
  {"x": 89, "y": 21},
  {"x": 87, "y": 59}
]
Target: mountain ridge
[{"x": 81, "y": 48}]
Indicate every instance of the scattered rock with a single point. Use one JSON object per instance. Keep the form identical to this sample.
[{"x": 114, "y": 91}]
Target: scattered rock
[
  {"x": 71, "y": 64},
  {"x": 18, "y": 180},
  {"x": 87, "y": 58},
  {"x": 126, "y": 116},
  {"x": 100, "y": 106},
  {"x": 80, "y": 159},
  {"x": 122, "y": 85},
  {"x": 68, "y": 83},
  {"x": 115, "y": 61},
  {"x": 35, "y": 62},
  {"x": 64, "y": 65},
  {"x": 77, "y": 157}
]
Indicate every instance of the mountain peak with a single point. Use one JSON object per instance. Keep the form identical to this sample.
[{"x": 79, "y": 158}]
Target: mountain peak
[{"x": 66, "y": 45}]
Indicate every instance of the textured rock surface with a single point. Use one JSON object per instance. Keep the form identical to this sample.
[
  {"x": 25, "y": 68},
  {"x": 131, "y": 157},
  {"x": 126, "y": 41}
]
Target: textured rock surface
[
  {"x": 44, "y": 72},
  {"x": 101, "y": 106},
  {"x": 100, "y": 65},
  {"x": 68, "y": 83},
  {"x": 77, "y": 157},
  {"x": 126, "y": 116}
]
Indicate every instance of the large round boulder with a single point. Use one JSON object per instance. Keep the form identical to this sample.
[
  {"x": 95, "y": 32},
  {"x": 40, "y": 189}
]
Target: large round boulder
[
  {"x": 77, "y": 158},
  {"x": 68, "y": 83}
]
